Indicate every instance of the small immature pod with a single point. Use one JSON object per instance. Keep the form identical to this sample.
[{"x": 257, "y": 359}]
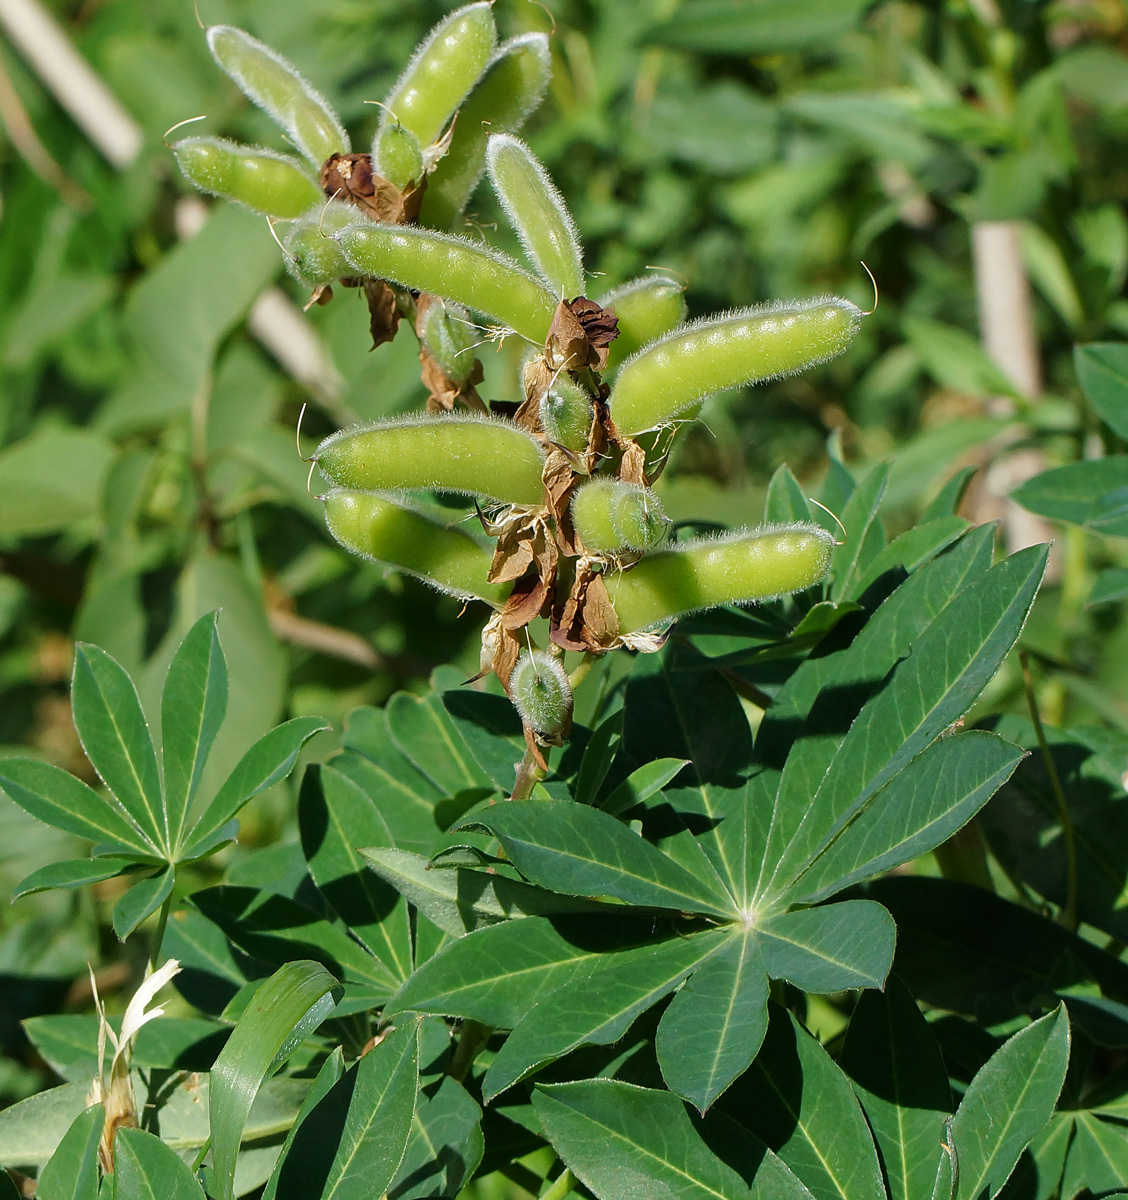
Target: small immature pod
[
  {"x": 312, "y": 253},
  {"x": 537, "y": 213},
  {"x": 742, "y": 567},
  {"x": 381, "y": 530},
  {"x": 265, "y": 77},
  {"x": 541, "y": 692},
  {"x": 512, "y": 85},
  {"x": 479, "y": 456},
  {"x": 450, "y": 336},
  {"x": 566, "y": 414},
  {"x": 647, "y": 308},
  {"x": 611, "y": 516},
  {"x": 268, "y": 183},
  {"x": 397, "y": 156},
  {"x": 444, "y": 68},
  {"x": 454, "y": 268},
  {"x": 753, "y": 344}
]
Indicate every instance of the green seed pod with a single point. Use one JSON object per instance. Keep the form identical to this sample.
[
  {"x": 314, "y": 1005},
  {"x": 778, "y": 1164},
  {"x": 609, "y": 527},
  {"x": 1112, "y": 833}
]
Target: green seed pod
[
  {"x": 263, "y": 181},
  {"x": 753, "y": 344},
  {"x": 397, "y": 156},
  {"x": 454, "y": 268},
  {"x": 446, "y": 66},
  {"x": 479, "y": 456},
  {"x": 449, "y": 335},
  {"x": 647, "y": 308},
  {"x": 743, "y": 567},
  {"x": 566, "y": 414},
  {"x": 266, "y": 78},
  {"x": 541, "y": 692},
  {"x": 312, "y": 253},
  {"x": 537, "y": 213},
  {"x": 611, "y": 516},
  {"x": 511, "y": 87},
  {"x": 383, "y": 530}
]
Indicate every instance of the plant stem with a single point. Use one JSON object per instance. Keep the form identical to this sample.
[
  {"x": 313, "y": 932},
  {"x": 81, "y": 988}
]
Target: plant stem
[
  {"x": 158, "y": 933},
  {"x": 1068, "y": 915},
  {"x": 529, "y": 774},
  {"x": 581, "y": 672},
  {"x": 561, "y": 1186},
  {"x": 473, "y": 1037}
]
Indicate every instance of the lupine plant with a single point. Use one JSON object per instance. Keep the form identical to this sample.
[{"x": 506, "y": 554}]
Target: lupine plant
[{"x": 590, "y": 930}]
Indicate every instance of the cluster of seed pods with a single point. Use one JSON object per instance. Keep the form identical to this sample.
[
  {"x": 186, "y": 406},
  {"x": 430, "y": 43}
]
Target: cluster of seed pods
[{"x": 563, "y": 482}]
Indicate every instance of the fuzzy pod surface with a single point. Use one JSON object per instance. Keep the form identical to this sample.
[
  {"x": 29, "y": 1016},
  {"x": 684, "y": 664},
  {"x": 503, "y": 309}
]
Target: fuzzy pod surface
[
  {"x": 740, "y": 568},
  {"x": 478, "y": 456},
  {"x": 537, "y": 213},
  {"x": 610, "y": 515},
  {"x": 397, "y": 155},
  {"x": 647, "y": 308},
  {"x": 266, "y": 78},
  {"x": 449, "y": 335},
  {"x": 381, "y": 530},
  {"x": 453, "y": 268},
  {"x": 753, "y": 344},
  {"x": 566, "y": 414},
  {"x": 443, "y": 69},
  {"x": 265, "y": 182},
  {"x": 312, "y": 253},
  {"x": 512, "y": 85},
  {"x": 541, "y": 692}
]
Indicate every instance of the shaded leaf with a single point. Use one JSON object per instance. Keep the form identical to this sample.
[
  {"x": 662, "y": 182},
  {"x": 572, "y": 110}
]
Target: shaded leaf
[
  {"x": 146, "y": 1169},
  {"x": 832, "y": 948},
  {"x": 72, "y": 1173},
  {"x": 444, "y": 1147},
  {"x": 1092, "y": 493},
  {"x": 71, "y": 873},
  {"x": 1102, "y": 371},
  {"x": 141, "y": 901}
]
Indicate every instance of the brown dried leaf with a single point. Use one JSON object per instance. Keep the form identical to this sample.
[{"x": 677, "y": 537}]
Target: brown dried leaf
[
  {"x": 445, "y": 391},
  {"x": 351, "y": 178},
  {"x": 631, "y": 467},
  {"x": 320, "y": 296},
  {"x": 526, "y": 602},
  {"x": 383, "y": 311},
  {"x": 559, "y": 483},
  {"x": 588, "y": 620}
]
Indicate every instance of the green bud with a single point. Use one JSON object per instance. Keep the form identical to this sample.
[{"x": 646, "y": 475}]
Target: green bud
[
  {"x": 541, "y": 692},
  {"x": 446, "y": 66},
  {"x": 514, "y": 81},
  {"x": 478, "y": 456},
  {"x": 266, "y": 78},
  {"x": 456, "y": 269},
  {"x": 312, "y": 253},
  {"x": 647, "y": 308},
  {"x": 748, "y": 346},
  {"x": 261, "y": 180},
  {"x": 566, "y": 414},
  {"x": 743, "y": 567},
  {"x": 383, "y": 530},
  {"x": 610, "y": 516},
  {"x": 449, "y": 335},
  {"x": 396, "y": 155},
  {"x": 537, "y": 214}
]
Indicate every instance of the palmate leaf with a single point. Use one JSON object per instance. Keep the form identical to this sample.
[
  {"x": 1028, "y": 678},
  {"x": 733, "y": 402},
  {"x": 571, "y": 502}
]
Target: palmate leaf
[{"x": 830, "y": 949}]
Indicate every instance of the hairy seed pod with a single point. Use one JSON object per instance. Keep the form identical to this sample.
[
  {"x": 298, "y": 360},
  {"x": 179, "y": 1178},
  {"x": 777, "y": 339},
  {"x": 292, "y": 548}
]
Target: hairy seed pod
[
  {"x": 537, "y": 213},
  {"x": 541, "y": 692},
  {"x": 265, "y": 77},
  {"x": 753, "y": 344},
  {"x": 566, "y": 414},
  {"x": 446, "y": 66},
  {"x": 611, "y": 516},
  {"x": 397, "y": 155},
  {"x": 312, "y": 253},
  {"x": 384, "y": 530},
  {"x": 511, "y": 86},
  {"x": 647, "y": 308},
  {"x": 478, "y": 456},
  {"x": 455, "y": 269},
  {"x": 450, "y": 336},
  {"x": 261, "y": 180},
  {"x": 742, "y": 567}
]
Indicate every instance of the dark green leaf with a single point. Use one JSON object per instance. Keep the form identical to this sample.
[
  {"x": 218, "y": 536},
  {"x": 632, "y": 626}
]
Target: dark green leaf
[
  {"x": 1111, "y": 585},
  {"x": 285, "y": 1010},
  {"x": 713, "y": 1027},
  {"x": 115, "y": 736},
  {"x": 598, "y": 1008},
  {"x": 769, "y": 26},
  {"x": 785, "y": 502},
  {"x": 351, "y": 1142},
  {"x": 444, "y": 1148},
  {"x": 912, "y": 549},
  {"x": 141, "y": 901},
  {"x": 1097, "y": 1158},
  {"x": 423, "y": 731},
  {"x": 571, "y": 848},
  {"x": 269, "y": 760},
  {"x": 1039, "y": 1171},
  {"x": 1102, "y": 371},
  {"x": 641, "y": 784},
  {"x": 832, "y": 948},
  {"x": 900, "y": 1077},
  {"x": 948, "y": 499},
  {"x": 597, "y": 758},
  {"x": 331, "y": 1071},
  {"x": 1008, "y": 1102},
  {"x": 71, "y": 873},
  {"x": 193, "y": 705},
  {"x": 56, "y": 798},
  {"x": 72, "y": 1173},
  {"x": 146, "y": 1169},
  {"x": 1093, "y": 494},
  {"x": 865, "y": 537}
]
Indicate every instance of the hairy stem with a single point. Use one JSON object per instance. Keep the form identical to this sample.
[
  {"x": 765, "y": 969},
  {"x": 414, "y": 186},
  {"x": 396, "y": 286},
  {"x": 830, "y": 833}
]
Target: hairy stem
[{"x": 529, "y": 774}]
